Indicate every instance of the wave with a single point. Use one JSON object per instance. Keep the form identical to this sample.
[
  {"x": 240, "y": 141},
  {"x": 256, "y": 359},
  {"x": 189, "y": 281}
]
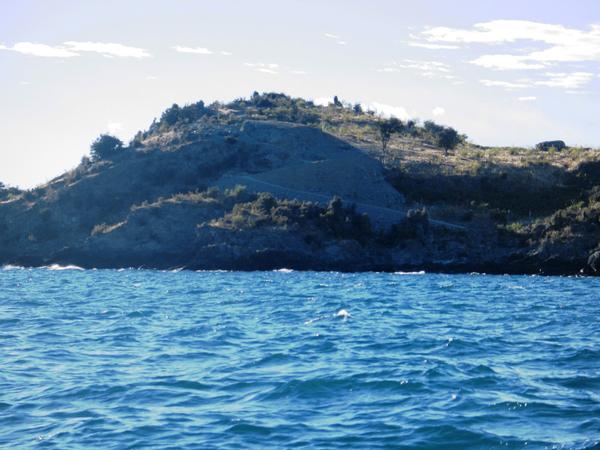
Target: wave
[
  {"x": 59, "y": 267},
  {"x": 419, "y": 272},
  {"x": 12, "y": 267}
]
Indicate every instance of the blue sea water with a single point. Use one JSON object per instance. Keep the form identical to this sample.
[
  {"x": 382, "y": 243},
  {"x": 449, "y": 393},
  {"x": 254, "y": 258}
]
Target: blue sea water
[{"x": 147, "y": 359}]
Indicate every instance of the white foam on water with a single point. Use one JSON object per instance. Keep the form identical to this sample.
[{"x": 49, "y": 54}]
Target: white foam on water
[
  {"x": 344, "y": 314},
  {"x": 308, "y": 322},
  {"x": 12, "y": 267},
  {"x": 284, "y": 270},
  {"x": 59, "y": 267},
  {"x": 420, "y": 272}
]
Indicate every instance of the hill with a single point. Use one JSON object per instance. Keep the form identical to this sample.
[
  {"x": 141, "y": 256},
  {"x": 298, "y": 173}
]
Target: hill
[{"x": 273, "y": 181}]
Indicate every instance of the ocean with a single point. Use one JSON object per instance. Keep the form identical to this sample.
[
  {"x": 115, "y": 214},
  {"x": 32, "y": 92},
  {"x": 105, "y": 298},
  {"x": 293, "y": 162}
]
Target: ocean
[{"x": 117, "y": 359}]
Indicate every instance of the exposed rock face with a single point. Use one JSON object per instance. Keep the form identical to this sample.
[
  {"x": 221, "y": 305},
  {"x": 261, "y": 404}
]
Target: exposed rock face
[
  {"x": 304, "y": 163},
  {"x": 593, "y": 262}
]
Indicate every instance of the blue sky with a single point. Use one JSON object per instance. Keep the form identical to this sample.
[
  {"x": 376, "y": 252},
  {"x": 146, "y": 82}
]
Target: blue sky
[{"x": 504, "y": 73}]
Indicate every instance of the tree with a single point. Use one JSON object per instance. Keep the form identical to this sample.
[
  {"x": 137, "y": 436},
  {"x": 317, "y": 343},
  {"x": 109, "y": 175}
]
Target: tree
[
  {"x": 448, "y": 139},
  {"x": 387, "y": 128},
  {"x": 171, "y": 115},
  {"x": 357, "y": 108},
  {"x": 105, "y": 147},
  {"x": 336, "y": 102},
  {"x": 432, "y": 128}
]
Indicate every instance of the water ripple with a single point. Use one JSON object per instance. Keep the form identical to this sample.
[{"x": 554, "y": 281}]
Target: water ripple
[{"x": 175, "y": 359}]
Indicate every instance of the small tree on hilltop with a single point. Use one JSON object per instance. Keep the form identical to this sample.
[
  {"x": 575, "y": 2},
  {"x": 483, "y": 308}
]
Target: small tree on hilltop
[
  {"x": 105, "y": 147},
  {"x": 448, "y": 139},
  {"x": 387, "y": 128}
]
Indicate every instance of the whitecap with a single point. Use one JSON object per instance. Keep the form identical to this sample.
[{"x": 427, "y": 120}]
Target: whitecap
[
  {"x": 12, "y": 267},
  {"x": 59, "y": 267},
  {"x": 284, "y": 270},
  {"x": 420, "y": 272},
  {"x": 344, "y": 314}
]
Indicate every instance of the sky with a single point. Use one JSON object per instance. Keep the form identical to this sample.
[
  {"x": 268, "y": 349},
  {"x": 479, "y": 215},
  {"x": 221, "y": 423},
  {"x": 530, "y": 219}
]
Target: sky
[{"x": 503, "y": 72}]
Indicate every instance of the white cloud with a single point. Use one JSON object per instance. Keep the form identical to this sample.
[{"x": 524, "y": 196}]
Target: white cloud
[
  {"x": 108, "y": 49},
  {"x": 224, "y": 53},
  {"x": 433, "y": 46},
  {"x": 265, "y": 70},
  {"x": 263, "y": 65},
  {"x": 506, "y": 62},
  {"x": 114, "y": 127},
  {"x": 337, "y": 37},
  {"x": 529, "y": 98},
  {"x": 438, "y": 111},
  {"x": 298, "y": 72},
  {"x": 151, "y": 77},
  {"x": 322, "y": 101},
  {"x": 427, "y": 69},
  {"x": 24, "y": 83},
  {"x": 196, "y": 50},
  {"x": 505, "y": 84},
  {"x": 387, "y": 110},
  {"x": 70, "y": 49},
  {"x": 564, "y": 44},
  {"x": 43, "y": 50},
  {"x": 570, "y": 80},
  {"x": 573, "y": 80}
]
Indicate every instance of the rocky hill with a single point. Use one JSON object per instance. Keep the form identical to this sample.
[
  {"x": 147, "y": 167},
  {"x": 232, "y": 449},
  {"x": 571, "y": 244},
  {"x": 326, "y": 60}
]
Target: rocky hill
[{"x": 271, "y": 182}]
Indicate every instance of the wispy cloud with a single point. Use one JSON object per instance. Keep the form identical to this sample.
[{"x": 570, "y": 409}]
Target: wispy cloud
[
  {"x": 114, "y": 127},
  {"x": 196, "y": 50},
  {"x": 574, "y": 80},
  {"x": 571, "y": 81},
  {"x": 505, "y": 84},
  {"x": 270, "y": 68},
  {"x": 336, "y": 37},
  {"x": 71, "y": 49},
  {"x": 529, "y": 98},
  {"x": 427, "y": 69},
  {"x": 563, "y": 44},
  {"x": 385, "y": 110},
  {"x": 298, "y": 72},
  {"x": 264, "y": 70},
  {"x": 224, "y": 53},
  {"x": 506, "y": 62},
  {"x": 430, "y": 46},
  {"x": 43, "y": 50},
  {"x": 438, "y": 111},
  {"x": 108, "y": 49},
  {"x": 265, "y": 65}
]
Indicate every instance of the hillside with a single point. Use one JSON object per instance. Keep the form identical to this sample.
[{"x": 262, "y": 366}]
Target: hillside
[{"x": 270, "y": 182}]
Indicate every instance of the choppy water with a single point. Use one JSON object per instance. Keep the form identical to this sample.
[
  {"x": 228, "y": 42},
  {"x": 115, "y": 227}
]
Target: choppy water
[{"x": 137, "y": 359}]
